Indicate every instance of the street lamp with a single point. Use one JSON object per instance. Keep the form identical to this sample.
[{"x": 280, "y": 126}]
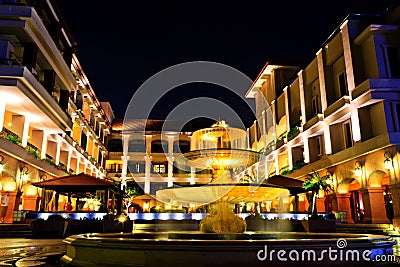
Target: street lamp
[
  {"x": 1, "y": 163},
  {"x": 358, "y": 169},
  {"x": 24, "y": 174},
  {"x": 388, "y": 160}
]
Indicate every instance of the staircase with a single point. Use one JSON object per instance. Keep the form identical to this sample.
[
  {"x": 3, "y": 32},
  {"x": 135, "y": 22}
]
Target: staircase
[
  {"x": 15, "y": 231},
  {"x": 359, "y": 228}
]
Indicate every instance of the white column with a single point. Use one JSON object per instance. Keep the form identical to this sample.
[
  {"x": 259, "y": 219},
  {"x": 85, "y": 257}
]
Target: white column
[
  {"x": 287, "y": 109},
  {"x": 69, "y": 158},
  {"x": 192, "y": 175},
  {"x": 88, "y": 135},
  {"x": 25, "y": 133},
  {"x": 248, "y": 139},
  {"x": 93, "y": 146},
  {"x": 274, "y": 119},
  {"x": 302, "y": 99},
  {"x": 147, "y": 175},
  {"x": 2, "y": 110},
  {"x": 276, "y": 162},
  {"x": 125, "y": 146},
  {"x": 44, "y": 145},
  {"x": 78, "y": 163},
  {"x": 58, "y": 150},
  {"x": 264, "y": 129},
  {"x": 306, "y": 152},
  {"x": 321, "y": 75},
  {"x": 85, "y": 166},
  {"x": 355, "y": 122},
  {"x": 348, "y": 61},
  {"x": 289, "y": 154},
  {"x": 327, "y": 138},
  {"x": 170, "y": 158}
]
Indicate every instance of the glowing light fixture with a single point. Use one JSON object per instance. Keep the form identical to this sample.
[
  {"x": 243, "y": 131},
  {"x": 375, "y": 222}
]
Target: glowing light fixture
[
  {"x": 358, "y": 169},
  {"x": 24, "y": 174},
  {"x": 388, "y": 160},
  {"x": 1, "y": 163}
]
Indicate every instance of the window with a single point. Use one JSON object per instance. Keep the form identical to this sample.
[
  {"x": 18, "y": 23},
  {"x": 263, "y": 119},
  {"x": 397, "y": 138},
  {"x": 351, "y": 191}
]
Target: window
[
  {"x": 136, "y": 167},
  {"x": 348, "y": 138},
  {"x": 314, "y": 105},
  {"x": 137, "y": 146},
  {"x": 318, "y": 141},
  {"x": 398, "y": 117},
  {"x": 159, "y": 168},
  {"x": 159, "y": 146},
  {"x": 181, "y": 146},
  {"x": 343, "y": 84},
  {"x": 394, "y": 61}
]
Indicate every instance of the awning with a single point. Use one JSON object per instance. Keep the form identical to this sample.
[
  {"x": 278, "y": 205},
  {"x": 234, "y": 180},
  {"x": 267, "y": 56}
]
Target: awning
[
  {"x": 79, "y": 183},
  {"x": 293, "y": 185}
]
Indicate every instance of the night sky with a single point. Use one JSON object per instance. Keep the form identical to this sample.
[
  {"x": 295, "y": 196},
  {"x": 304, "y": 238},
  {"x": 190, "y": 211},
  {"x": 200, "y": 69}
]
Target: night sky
[{"x": 120, "y": 47}]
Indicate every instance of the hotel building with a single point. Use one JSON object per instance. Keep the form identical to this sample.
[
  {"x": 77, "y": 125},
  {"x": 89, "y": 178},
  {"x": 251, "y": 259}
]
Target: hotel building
[
  {"x": 338, "y": 115},
  {"x": 51, "y": 122}
]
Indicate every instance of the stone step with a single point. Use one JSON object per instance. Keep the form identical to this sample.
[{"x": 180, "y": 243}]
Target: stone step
[{"x": 15, "y": 230}]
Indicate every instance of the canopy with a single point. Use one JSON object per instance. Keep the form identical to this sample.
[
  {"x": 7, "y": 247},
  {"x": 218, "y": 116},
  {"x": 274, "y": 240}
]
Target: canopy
[
  {"x": 295, "y": 186},
  {"x": 79, "y": 183}
]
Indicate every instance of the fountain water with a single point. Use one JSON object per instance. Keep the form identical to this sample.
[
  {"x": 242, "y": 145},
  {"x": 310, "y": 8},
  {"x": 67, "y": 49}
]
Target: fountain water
[{"x": 222, "y": 239}]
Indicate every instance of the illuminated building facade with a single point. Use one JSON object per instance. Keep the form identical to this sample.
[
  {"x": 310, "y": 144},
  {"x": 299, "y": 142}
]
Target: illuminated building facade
[
  {"x": 338, "y": 115},
  {"x": 51, "y": 122}
]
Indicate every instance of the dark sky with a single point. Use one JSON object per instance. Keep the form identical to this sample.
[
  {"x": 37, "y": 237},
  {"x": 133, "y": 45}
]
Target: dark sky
[{"x": 122, "y": 46}]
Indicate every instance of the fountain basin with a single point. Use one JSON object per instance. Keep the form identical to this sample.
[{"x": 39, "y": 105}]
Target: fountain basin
[{"x": 194, "y": 248}]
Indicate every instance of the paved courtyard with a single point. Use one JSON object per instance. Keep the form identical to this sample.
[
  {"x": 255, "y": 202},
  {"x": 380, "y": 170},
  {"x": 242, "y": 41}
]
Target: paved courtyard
[{"x": 23, "y": 252}]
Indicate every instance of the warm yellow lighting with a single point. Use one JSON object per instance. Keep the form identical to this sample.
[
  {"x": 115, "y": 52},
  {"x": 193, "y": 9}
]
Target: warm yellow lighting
[
  {"x": 1, "y": 167},
  {"x": 9, "y": 186},
  {"x": 388, "y": 164},
  {"x": 396, "y": 228},
  {"x": 121, "y": 218},
  {"x": 388, "y": 160},
  {"x": 24, "y": 177},
  {"x": 358, "y": 169},
  {"x": 146, "y": 206}
]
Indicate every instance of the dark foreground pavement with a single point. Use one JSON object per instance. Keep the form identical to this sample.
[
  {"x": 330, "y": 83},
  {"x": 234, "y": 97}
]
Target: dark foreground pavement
[{"x": 25, "y": 252}]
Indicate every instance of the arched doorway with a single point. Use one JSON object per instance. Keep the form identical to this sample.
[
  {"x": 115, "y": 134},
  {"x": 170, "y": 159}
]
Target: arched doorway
[
  {"x": 351, "y": 187},
  {"x": 380, "y": 179}
]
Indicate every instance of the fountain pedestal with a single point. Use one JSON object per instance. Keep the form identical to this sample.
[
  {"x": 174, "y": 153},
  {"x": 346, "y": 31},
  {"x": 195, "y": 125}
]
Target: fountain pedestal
[{"x": 222, "y": 220}]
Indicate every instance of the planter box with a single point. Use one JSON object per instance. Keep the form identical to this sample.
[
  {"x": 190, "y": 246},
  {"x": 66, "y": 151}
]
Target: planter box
[
  {"x": 111, "y": 226},
  {"x": 49, "y": 229},
  {"x": 320, "y": 226}
]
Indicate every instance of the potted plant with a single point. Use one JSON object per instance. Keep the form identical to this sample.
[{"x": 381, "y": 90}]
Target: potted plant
[{"x": 316, "y": 183}]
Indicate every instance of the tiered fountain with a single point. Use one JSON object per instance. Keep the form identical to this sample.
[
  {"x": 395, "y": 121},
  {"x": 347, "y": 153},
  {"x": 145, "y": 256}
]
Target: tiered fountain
[{"x": 222, "y": 239}]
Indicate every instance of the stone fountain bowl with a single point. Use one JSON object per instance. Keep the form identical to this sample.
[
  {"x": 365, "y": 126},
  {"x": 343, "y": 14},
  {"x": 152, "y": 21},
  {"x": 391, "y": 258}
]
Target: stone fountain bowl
[{"x": 192, "y": 248}]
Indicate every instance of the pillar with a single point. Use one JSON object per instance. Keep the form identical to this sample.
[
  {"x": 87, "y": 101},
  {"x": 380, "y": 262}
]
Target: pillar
[
  {"x": 11, "y": 206},
  {"x": 30, "y": 202},
  {"x": 395, "y": 192},
  {"x": 58, "y": 150},
  {"x": 170, "y": 158},
  {"x": 192, "y": 175},
  {"x": 147, "y": 175},
  {"x": 374, "y": 205},
  {"x": 302, "y": 99},
  {"x": 341, "y": 202}
]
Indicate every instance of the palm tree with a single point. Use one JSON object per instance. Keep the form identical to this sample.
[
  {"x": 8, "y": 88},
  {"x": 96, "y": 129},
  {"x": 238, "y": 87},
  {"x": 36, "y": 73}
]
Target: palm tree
[{"x": 315, "y": 183}]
